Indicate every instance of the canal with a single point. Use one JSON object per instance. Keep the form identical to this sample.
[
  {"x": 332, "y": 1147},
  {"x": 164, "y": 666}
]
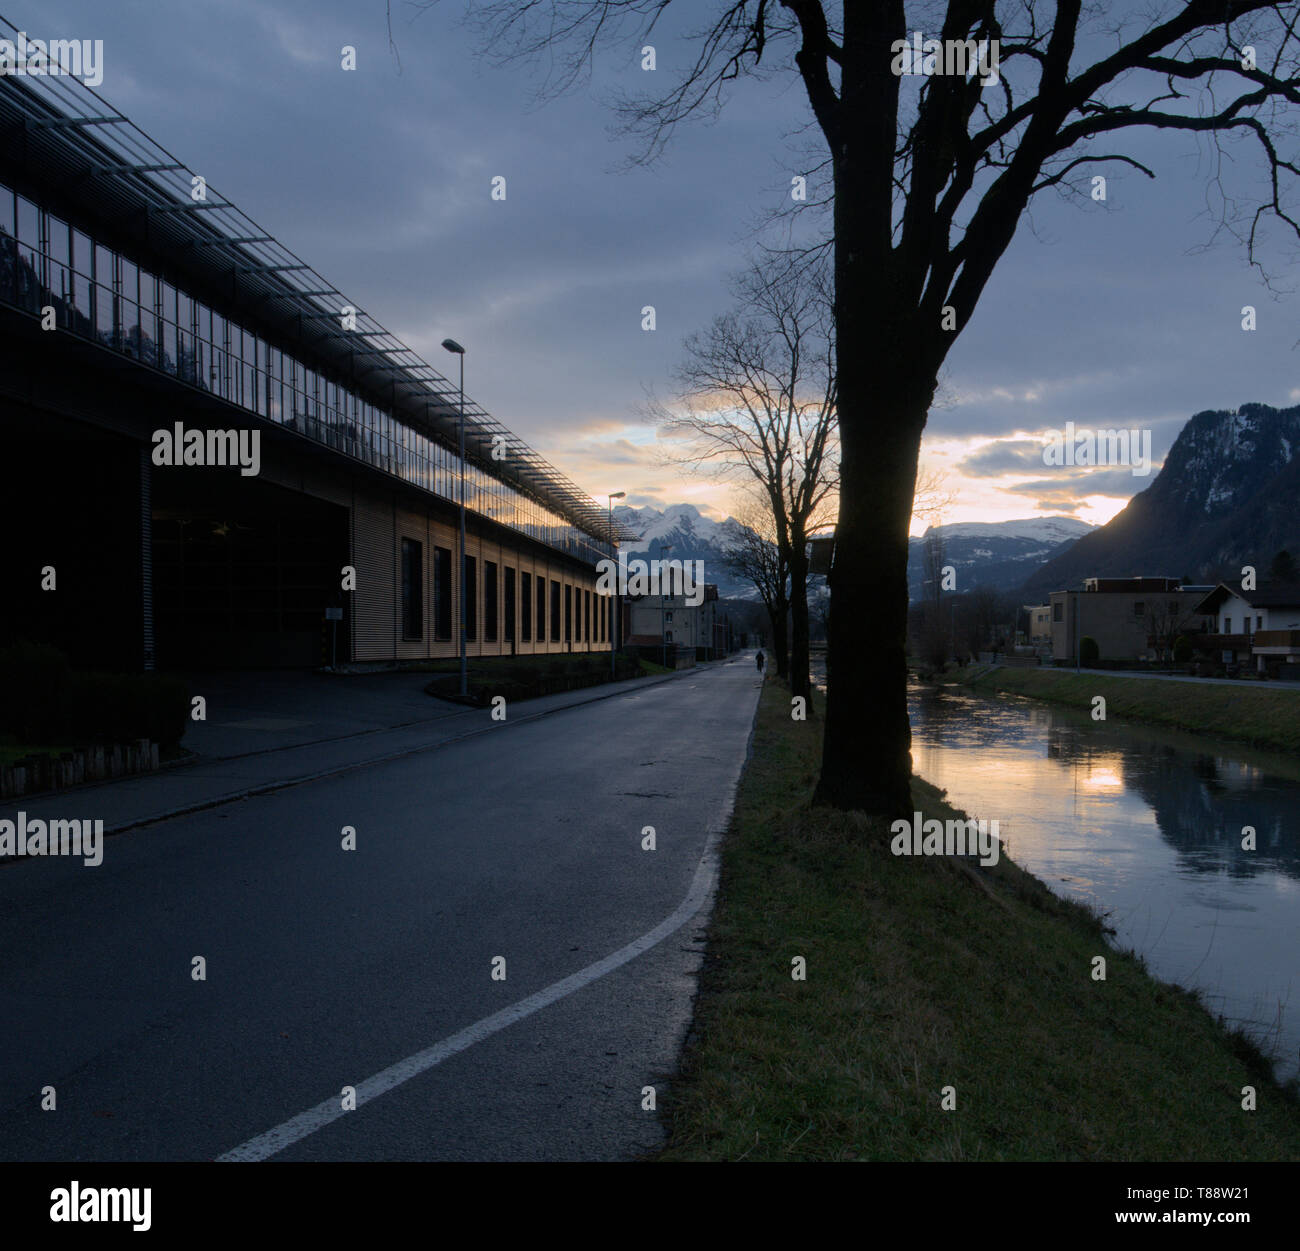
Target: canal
[{"x": 1147, "y": 827}]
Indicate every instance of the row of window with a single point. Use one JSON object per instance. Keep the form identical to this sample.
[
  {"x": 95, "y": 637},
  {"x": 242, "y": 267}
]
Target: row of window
[
  {"x": 559, "y": 606},
  {"x": 101, "y": 295}
]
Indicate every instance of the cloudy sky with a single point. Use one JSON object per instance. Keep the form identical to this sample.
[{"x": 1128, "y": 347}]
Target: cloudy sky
[{"x": 1103, "y": 315}]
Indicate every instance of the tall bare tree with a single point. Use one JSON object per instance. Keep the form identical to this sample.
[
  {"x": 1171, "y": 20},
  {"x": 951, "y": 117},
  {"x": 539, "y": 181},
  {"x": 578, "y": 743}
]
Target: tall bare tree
[
  {"x": 756, "y": 557},
  {"x": 927, "y": 190},
  {"x": 758, "y": 403}
]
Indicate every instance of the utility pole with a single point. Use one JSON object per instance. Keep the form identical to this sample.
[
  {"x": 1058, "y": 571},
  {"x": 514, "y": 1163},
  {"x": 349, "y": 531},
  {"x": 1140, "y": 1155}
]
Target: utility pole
[{"x": 613, "y": 603}]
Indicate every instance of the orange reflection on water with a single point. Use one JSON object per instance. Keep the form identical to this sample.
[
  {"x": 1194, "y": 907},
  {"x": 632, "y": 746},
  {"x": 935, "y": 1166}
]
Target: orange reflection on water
[{"x": 1102, "y": 778}]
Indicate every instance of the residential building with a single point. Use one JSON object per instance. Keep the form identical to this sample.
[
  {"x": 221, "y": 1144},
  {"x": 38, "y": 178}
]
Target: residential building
[
  {"x": 1130, "y": 618},
  {"x": 1259, "y": 627},
  {"x": 653, "y": 620}
]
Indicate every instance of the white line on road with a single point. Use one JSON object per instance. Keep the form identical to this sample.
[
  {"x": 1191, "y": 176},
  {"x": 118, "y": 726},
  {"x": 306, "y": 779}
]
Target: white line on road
[{"x": 702, "y": 885}]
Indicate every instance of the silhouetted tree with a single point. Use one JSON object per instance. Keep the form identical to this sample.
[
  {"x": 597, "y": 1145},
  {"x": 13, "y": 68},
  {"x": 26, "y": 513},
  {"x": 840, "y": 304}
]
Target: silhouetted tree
[
  {"x": 755, "y": 556},
  {"x": 759, "y": 401},
  {"x": 1283, "y": 567}
]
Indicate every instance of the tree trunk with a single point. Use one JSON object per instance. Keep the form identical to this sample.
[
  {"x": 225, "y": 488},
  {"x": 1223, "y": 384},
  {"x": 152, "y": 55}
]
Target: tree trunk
[
  {"x": 886, "y": 367},
  {"x": 799, "y": 683},
  {"x": 781, "y": 638},
  {"x": 866, "y": 757}
]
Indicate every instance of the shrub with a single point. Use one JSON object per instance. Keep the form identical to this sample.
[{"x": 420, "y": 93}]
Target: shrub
[
  {"x": 119, "y": 707},
  {"x": 34, "y": 678},
  {"x": 1182, "y": 649},
  {"x": 1089, "y": 652}
]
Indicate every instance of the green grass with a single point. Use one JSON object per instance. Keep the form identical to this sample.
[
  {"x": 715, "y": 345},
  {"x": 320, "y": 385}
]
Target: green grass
[
  {"x": 1263, "y": 717},
  {"x": 10, "y": 753},
  {"x": 919, "y": 977}
]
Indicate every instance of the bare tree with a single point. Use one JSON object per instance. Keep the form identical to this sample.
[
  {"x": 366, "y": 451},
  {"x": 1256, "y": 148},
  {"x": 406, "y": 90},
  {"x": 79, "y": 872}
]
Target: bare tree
[
  {"x": 756, "y": 557},
  {"x": 1165, "y": 619},
  {"x": 927, "y": 190},
  {"x": 758, "y": 402},
  {"x": 931, "y": 497}
]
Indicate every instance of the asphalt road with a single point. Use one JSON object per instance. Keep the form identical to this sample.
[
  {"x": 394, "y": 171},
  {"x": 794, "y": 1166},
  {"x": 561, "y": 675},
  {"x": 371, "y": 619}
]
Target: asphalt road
[{"x": 328, "y": 968}]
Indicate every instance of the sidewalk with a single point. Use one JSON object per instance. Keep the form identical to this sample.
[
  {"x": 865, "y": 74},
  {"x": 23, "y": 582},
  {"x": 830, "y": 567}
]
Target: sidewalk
[{"x": 274, "y": 730}]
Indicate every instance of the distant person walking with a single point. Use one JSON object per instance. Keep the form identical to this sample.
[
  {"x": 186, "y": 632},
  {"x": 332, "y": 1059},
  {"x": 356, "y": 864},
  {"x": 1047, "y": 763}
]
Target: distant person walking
[{"x": 760, "y": 660}]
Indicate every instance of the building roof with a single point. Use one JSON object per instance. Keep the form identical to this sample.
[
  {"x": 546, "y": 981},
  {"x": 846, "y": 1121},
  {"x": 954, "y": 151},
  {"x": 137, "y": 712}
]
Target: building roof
[
  {"x": 1119, "y": 586},
  {"x": 1268, "y": 594},
  {"x": 90, "y": 163}
]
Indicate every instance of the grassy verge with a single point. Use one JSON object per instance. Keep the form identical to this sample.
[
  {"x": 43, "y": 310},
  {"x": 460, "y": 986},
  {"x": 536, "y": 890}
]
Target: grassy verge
[
  {"x": 11, "y": 751},
  {"x": 920, "y": 977},
  {"x": 1265, "y": 718}
]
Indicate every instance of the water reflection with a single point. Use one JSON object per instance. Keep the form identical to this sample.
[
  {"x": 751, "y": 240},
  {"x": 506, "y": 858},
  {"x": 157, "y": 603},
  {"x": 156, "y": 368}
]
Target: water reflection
[{"x": 1147, "y": 826}]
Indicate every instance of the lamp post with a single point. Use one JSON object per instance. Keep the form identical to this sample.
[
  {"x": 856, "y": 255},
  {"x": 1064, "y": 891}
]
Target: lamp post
[
  {"x": 452, "y": 346},
  {"x": 613, "y": 603},
  {"x": 663, "y": 623}
]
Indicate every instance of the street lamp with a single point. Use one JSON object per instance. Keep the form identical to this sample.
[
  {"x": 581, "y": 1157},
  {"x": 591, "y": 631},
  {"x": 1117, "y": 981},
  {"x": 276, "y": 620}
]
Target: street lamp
[
  {"x": 452, "y": 346},
  {"x": 663, "y": 623},
  {"x": 613, "y": 603}
]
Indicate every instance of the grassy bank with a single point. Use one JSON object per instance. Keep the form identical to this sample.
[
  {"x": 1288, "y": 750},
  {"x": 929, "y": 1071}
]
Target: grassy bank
[
  {"x": 1264, "y": 718},
  {"x": 921, "y": 975}
]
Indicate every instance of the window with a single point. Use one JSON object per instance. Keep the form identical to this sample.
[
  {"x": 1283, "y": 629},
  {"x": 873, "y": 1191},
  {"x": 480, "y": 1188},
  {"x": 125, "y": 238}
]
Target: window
[
  {"x": 541, "y": 608},
  {"x": 1259, "y": 623},
  {"x": 442, "y": 593},
  {"x": 471, "y": 597},
  {"x": 510, "y": 605},
  {"x": 1227, "y": 625},
  {"x": 526, "y": 606},
  {"x": 1139, "y": 608},
  {"x": 412, "y": 590},
  {"x": 490, "y": 601},
  {"x": 555, "y": 612},
  {"x": 668, "y": 616},
  {"x": 1057, "y": 613},
  {"x": 586, "y": 616},
  {"x": 568, "y": 613}
]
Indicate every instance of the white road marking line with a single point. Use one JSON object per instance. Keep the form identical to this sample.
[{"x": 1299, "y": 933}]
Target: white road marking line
[{"x": 702, "y": 885}]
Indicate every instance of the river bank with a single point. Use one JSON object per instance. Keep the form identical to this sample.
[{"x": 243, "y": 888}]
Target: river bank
[
  {"x": 925, "y": 978},
  {"x": 1259, "y": 717}
]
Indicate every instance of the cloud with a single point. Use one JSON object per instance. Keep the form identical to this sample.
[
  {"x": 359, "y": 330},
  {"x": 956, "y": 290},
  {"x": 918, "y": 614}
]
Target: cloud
[
  {"x": 1076, "y": 491},
  {"x": 1003, "y": 457}
]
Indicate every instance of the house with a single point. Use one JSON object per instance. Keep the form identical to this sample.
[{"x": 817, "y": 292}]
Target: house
[
  {"x": 673, "y": 621},
  {"x": 1130, "y": 618},
  {"x": 1260, "y": 627},
  {"x": 1040, "y": 624}
]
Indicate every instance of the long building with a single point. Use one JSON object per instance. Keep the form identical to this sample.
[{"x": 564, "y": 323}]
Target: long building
[{"x": 157, "y": 343}]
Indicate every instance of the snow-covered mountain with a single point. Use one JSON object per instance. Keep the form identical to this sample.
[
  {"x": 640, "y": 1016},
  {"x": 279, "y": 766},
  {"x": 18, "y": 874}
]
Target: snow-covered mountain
[
  {"x": 1039, "y": 529},
  {"x": 692, "y": 536},
  {"x": 1000, "y": 554}
]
